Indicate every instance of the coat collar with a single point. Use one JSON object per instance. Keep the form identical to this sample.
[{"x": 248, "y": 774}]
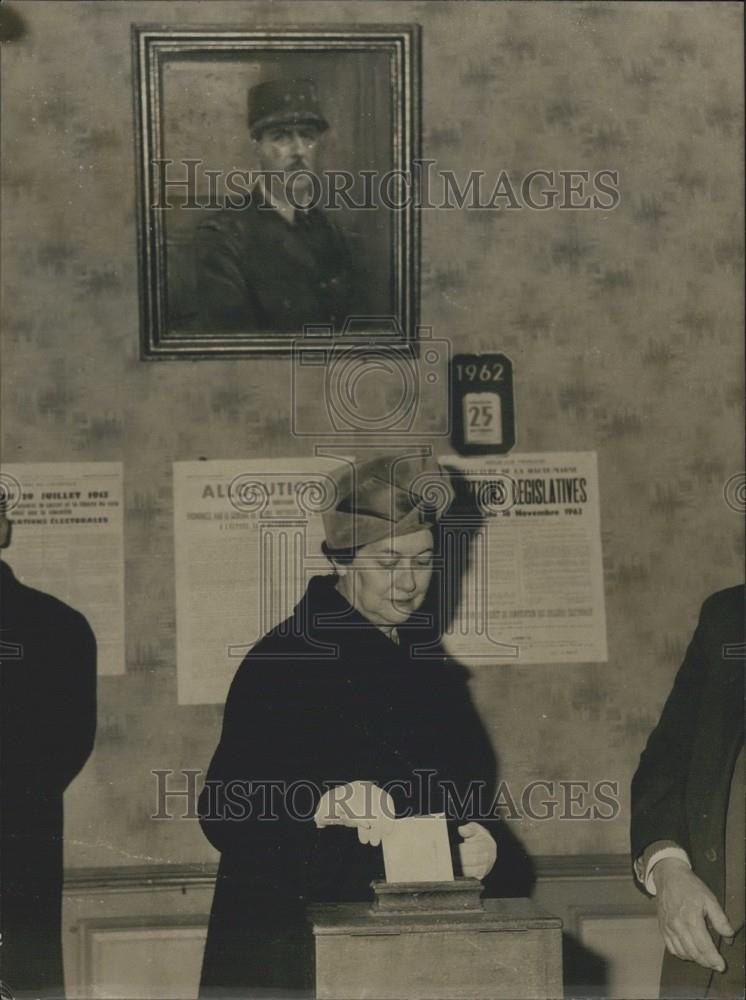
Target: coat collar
[{"x": 323, "y": 612}]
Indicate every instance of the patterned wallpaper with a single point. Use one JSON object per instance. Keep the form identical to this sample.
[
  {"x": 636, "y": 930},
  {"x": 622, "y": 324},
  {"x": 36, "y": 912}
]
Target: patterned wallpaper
[{"x": 625, "y": 328}]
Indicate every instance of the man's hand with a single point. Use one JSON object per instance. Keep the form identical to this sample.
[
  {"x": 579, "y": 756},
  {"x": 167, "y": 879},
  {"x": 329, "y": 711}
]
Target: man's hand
[
  {"x": 477, "y": 850},
  {"x": 683, "y": 903},
  {"x": 361, "y": 804}
]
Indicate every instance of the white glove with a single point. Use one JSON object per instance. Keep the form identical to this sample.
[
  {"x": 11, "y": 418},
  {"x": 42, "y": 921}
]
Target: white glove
[
  {"x": 361, "y": 804},
  {"x": 478, "y": 850}
]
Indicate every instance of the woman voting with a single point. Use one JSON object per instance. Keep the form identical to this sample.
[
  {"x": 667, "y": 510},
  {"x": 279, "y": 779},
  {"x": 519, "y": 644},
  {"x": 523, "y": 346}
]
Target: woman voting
[{"x": 335, "y": 721}]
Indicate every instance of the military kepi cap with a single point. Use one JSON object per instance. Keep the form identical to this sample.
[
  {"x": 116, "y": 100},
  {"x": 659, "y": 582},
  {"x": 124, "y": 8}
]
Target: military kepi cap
[
  {"x": 385, "y": 497},
  {"x": 284, "y": 102}
]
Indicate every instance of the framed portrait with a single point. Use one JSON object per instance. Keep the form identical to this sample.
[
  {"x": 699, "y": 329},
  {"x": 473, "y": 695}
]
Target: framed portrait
[{"x": 278, "y": 183}]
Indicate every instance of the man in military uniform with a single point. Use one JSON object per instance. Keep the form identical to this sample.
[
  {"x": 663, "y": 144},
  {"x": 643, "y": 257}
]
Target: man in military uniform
[{"x": 277, "y": 265}]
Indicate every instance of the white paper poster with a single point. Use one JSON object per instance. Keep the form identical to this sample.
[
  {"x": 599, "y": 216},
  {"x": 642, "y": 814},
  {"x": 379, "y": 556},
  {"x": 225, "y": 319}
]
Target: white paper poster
[
  {"x": 527, "y": 561},
  {"x": 67, "y": 540},
  {"x": 247, "y": 540}
]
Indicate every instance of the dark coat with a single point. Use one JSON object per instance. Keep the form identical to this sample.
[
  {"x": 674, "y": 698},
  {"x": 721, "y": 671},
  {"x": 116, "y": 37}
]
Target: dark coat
[
  {"x": 681, "y": 787},
  {"x": 324, "y": 702},
  {"x": 47, "y": 728},
  {"x": 258, "y": 272}
]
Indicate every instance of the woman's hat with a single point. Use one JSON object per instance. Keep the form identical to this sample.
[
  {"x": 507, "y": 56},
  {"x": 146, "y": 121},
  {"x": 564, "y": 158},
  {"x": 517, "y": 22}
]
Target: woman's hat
[{"x": 384, "y": 497}]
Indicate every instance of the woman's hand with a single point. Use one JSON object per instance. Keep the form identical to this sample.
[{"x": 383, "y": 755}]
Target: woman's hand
[
  {"x": 477, "y": 850},
  {"x": 361, "y": 804}
]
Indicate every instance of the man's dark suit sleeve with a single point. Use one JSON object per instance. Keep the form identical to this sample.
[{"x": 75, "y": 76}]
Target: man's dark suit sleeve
[
  {"x": 225, "y": 298},
  {"x": 658, "y": 802},
  {"x": 67, "y": 723}
]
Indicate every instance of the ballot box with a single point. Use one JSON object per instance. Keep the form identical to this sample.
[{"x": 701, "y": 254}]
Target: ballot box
[{"x": 436, "y": 941}]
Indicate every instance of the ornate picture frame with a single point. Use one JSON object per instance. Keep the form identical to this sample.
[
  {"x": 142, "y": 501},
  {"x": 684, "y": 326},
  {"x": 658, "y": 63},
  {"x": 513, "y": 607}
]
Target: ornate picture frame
[{"x": 223, "y": 272}]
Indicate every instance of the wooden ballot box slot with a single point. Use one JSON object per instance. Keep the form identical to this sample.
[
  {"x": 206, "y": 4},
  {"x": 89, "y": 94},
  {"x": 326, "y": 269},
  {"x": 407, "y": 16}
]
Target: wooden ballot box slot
[{"x": 436, "y": 941}]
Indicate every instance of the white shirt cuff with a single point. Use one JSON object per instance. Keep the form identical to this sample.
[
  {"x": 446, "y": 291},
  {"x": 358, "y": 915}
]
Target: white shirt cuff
[{"x": 665, "y": 852}]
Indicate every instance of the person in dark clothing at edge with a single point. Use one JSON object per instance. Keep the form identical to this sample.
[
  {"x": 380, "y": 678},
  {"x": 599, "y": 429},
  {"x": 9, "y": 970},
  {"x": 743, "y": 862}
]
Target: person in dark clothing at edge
[
  {"x": 279, "y": 263},
  {"x": 337, "y": 696},
  {"x": 687, "y": 824},
  {"x": 47, "y": 729}
]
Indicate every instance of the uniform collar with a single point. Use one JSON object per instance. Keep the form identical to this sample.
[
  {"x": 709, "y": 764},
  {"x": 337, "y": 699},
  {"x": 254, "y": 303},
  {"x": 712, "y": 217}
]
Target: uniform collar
[{"x": 286, "y": 211}]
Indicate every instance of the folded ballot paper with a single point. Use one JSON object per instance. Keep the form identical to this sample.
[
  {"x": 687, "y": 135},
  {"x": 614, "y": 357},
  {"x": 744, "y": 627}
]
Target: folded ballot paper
[{"x": 416, "y": 849}]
